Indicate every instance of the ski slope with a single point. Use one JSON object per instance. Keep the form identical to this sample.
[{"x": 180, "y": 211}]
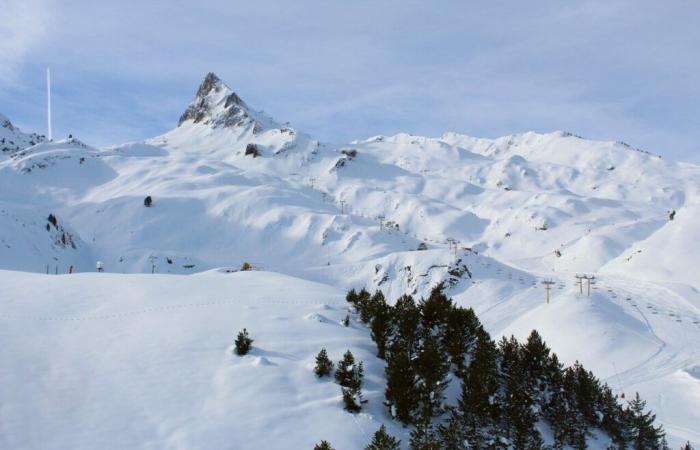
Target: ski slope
[{"x": 229, "y": 184}]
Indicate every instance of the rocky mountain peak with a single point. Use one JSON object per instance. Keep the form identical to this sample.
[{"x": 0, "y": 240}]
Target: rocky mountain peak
[{"x": 218, "y": 106}]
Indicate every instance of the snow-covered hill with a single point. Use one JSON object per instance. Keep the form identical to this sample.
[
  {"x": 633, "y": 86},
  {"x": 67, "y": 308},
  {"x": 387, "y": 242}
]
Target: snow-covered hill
[{"x": 496, "y": 216}]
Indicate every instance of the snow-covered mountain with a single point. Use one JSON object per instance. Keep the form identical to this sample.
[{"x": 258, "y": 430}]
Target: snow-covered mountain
[
  {"x": 495, "y": 216},
  {"x": 13, "y": 140}
]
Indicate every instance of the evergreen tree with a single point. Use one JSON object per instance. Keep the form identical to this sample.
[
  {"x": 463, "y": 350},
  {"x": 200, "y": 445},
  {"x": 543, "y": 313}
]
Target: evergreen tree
[
  {"x": 435, "y": 310},
  {"x": 243, "y": 343},
  {"x": 344, "y": 373},
  {"x": 352, "y": 297},
  {"x": 346, "y": 321},
  {"x": 519, "y": 416},
  {"x": 535, "y": 354},
  {"x": 612, "y": 421},
  {"x": 349, "y": 375},
  {"x": 518, "y": 398},
  {"x": 401, "y": 389},
  {"x": 423, "y": 437},
  {"x": 405, "y": 323},
  {"x": 380, "y": 327},
  {"x": 383, "y": 441},
  {"x": 365, "y": 304},
  {"x": 641, "y": 430},
  {"x": 479, "y": 388},
  {"x": 324, "y": 366},
  {"x": 687, "y": 446},
  {"x": 323, "y": 445},
  {"x": 452, "y": 434},
  {"x": 349, "y": 401},
  {"x": 575, "y": 425},
  {"x": 459, "y": 336},
  {"x": 358, "y": 300},
  {"x": 555, "y": 407},
  {"x": 587, "y": 393},
  {"x": 432, "y": 370}
]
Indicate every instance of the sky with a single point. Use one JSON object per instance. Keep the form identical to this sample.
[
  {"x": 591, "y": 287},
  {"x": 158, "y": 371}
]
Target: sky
[{"x": 625, "y": 70}]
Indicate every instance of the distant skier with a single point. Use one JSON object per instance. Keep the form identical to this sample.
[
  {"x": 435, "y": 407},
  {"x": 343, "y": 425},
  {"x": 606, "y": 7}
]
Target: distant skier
[
  {"x": 71, "y": 269},
  {"x": 672, "y": 215},
  {"x": 99, "y": 266}
]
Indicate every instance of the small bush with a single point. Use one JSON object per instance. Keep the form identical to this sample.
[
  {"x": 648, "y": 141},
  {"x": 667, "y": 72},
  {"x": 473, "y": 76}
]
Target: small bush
[
  {"x": 246, "y": 267},
  {"x": 148, "y": 201},
  {"x": 243, "y": 343}
]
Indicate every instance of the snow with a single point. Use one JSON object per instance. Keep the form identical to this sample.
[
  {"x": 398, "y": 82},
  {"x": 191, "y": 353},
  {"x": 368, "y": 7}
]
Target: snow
[{"x": 145, "y": 359}]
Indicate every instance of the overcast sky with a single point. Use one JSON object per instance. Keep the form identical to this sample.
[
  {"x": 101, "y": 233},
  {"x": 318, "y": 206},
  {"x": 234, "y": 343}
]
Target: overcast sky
[{"x": 125, "y": 70}]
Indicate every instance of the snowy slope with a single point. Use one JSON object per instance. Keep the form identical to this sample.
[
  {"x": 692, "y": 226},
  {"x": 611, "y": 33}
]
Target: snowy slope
[{"x": 229, "y": 184}]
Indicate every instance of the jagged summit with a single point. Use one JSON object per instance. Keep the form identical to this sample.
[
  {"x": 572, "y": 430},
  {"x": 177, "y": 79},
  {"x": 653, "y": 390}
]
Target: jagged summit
[
  {"x": 219, "y": 106},
  {"x": 12, "y": 139}
]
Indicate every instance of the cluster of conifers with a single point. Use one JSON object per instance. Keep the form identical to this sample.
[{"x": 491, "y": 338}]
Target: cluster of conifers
[{"x": 508, "y": 391}]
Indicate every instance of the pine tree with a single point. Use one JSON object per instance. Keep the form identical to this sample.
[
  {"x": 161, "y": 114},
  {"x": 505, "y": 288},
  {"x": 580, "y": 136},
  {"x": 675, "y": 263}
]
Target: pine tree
[
  {"x": 364, "y": 306},
  {"x": 380, "y": 328},
  {"x": 344, "y": 373},
  {"x": 349, "y": 401},
  {"x": 432, "y": 370},
  {"x": 587, "y": 393},
  {"x": 367, "y": 305},
  {"x": 642, "y": 432},
  {"x": 352, "y": 297},
  {"x": 324, "y": 366},
  {"x": 479, "y": 388},
  {"x": 349, "y": 375},
  {"x": 423, "y": 437},
  {"x": 405, "y": 323},
  {"x": 323, "y": 445},
  {"x": 535, "y": 355},
  {"x": 575, "y": 425},
  {"x": 243, "y": 343},
  {"x": 612, "y": 420},
  {"x": 435, "y": 310},
  {"x": 383, "y": 441},
  {"x": 460, "y": 336},
  {"x": 687, "y": 446},
  {"x": 518, "y": 398},
  {"x": 555, "y": 408},
  {"x": 520, "y": 417},
  {"x": 452, "y": 434},
  {"x": 346, "y": 321},
  {"x": 401, "y": 390}
]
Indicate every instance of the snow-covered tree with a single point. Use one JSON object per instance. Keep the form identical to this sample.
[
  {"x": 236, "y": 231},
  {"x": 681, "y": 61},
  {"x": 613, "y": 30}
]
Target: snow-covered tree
[
  {"x": 324, "y": 366},
  {"x": 383, "y": 441}
]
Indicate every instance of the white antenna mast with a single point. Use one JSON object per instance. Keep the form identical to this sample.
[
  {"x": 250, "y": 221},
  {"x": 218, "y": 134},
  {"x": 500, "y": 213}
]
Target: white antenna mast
[{"x": 48, "y": 101}]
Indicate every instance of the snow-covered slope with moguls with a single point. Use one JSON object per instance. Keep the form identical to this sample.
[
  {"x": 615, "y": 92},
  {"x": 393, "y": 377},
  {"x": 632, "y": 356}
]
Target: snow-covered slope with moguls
[{"x": 496, "y": 216}]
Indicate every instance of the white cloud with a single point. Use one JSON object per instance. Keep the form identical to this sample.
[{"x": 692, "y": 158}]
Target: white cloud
[{"x": 22, "y": 26}]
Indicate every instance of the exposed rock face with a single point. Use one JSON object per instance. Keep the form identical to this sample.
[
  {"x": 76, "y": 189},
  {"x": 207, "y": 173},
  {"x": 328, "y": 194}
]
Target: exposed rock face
[
  {"x": 217, "y": 105},
  {"x": 252, "y": 150},
  {"x": 13, "y": 140}
]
